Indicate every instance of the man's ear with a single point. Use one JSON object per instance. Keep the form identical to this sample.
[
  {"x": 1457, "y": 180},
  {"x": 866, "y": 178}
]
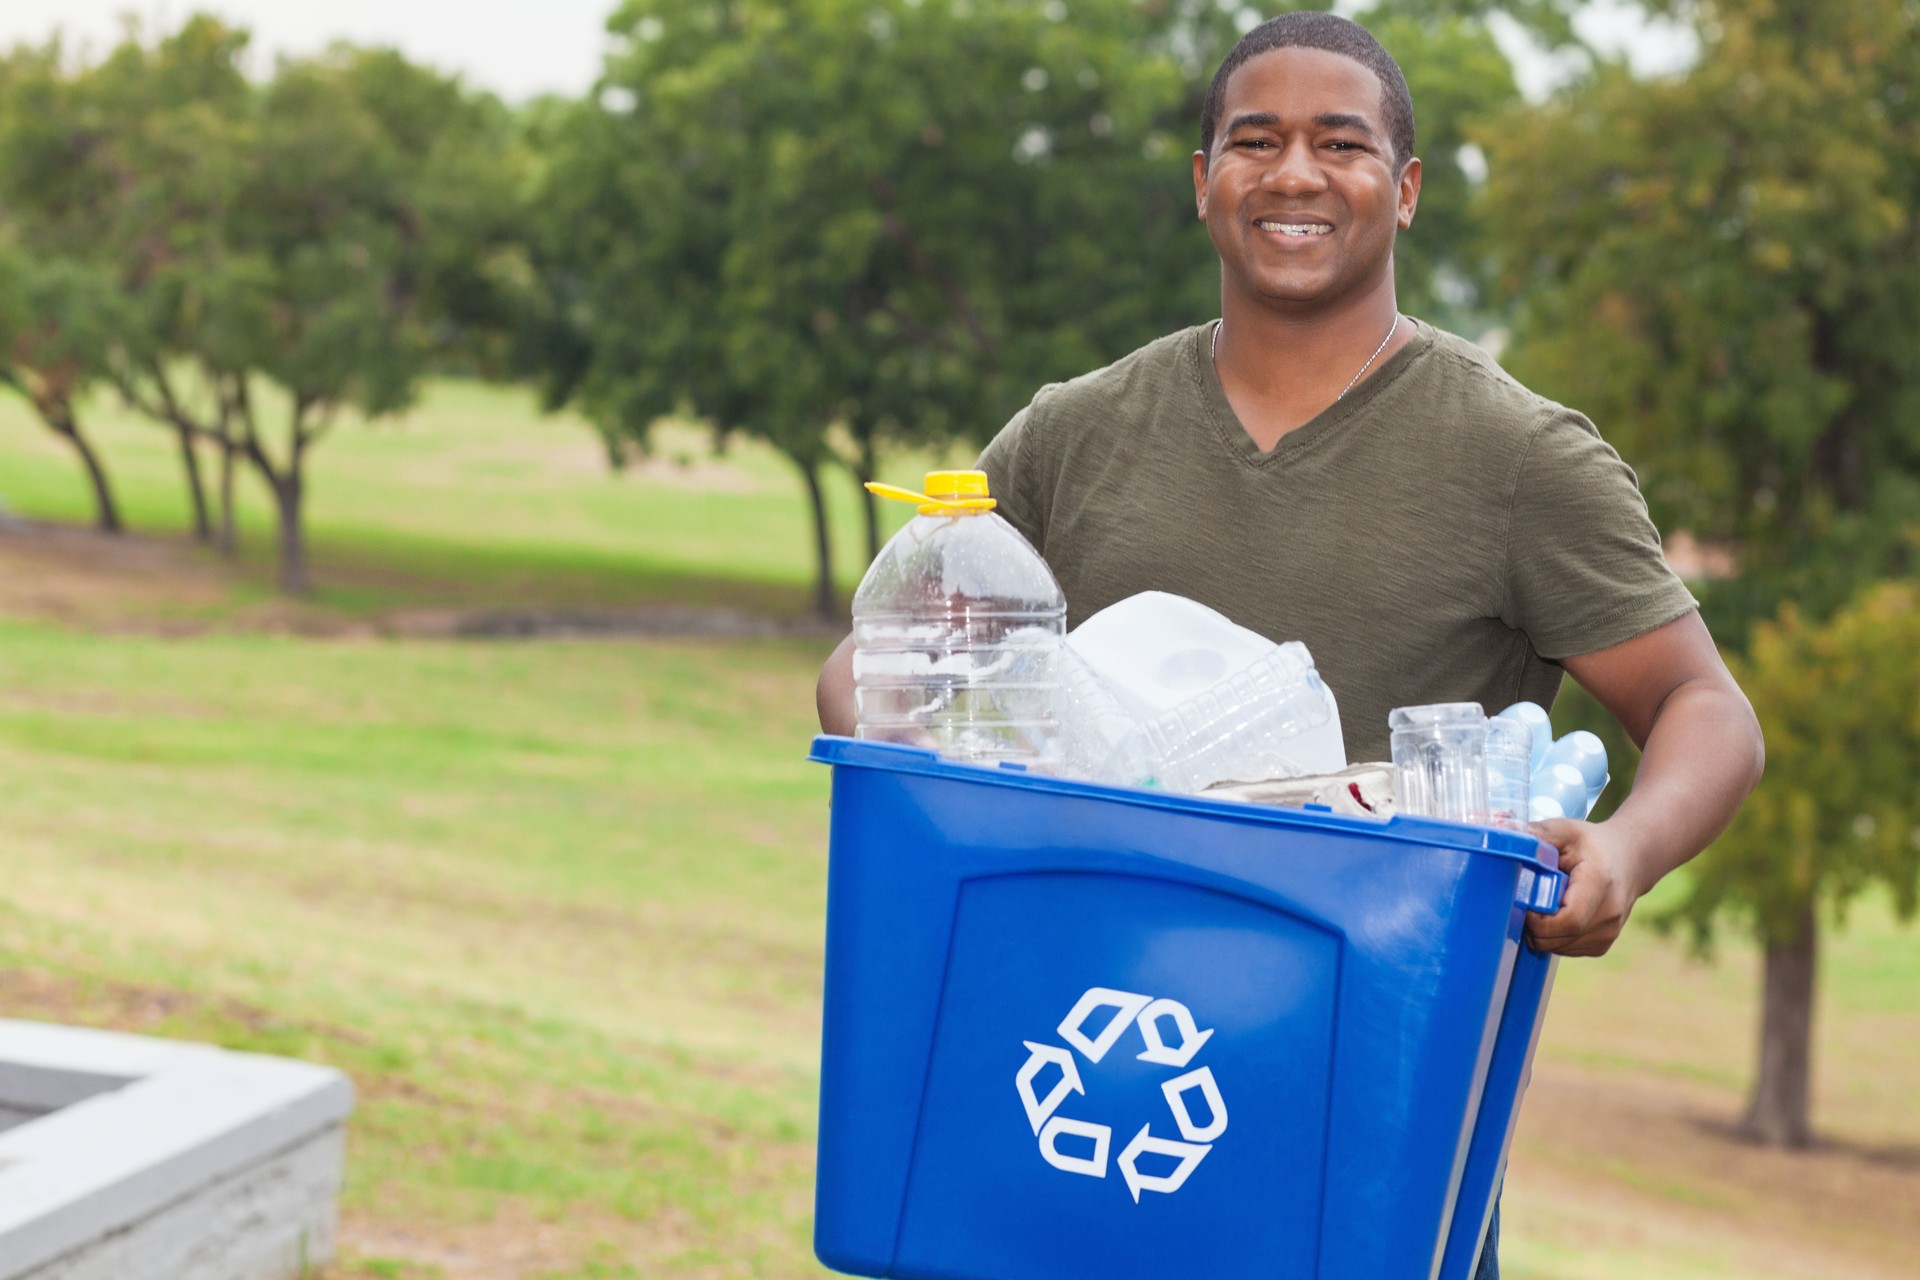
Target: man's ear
[
  {"x": 1409, "y": 192},
  {"x": 1200, "y": 184}
]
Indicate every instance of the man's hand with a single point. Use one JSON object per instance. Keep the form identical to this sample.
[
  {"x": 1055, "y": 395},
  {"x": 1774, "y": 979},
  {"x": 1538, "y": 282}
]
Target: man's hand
[
  {"x": 1602, "y": 886},
  {"x": 1702, "y": 755}
]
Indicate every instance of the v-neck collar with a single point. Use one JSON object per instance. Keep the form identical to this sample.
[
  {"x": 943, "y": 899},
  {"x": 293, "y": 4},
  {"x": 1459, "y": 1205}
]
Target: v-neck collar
[{"x": 1233, "y": 433}]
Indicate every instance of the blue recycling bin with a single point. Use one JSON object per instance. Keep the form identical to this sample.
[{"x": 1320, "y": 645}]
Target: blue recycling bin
[{"x": 1076, "y": 1030}]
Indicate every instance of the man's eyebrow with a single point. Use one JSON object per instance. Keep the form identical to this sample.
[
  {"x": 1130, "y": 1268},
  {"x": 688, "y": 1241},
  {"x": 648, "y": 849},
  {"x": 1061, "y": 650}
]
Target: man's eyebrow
[
  {"x": 1343, "y": 120},
  {"x": 1325, "y": 120},
  {"x": 1251, "y": 119}
]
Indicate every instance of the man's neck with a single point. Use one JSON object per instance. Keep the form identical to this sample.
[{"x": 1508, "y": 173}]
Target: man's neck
[{"x": 1281, "y": 368}]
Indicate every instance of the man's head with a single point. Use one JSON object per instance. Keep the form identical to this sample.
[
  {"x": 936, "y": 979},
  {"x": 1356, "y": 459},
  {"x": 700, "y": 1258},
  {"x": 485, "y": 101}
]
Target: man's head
[
  {"x": 1331, "y": 34},
  {"x": 1308, "y": 173}
]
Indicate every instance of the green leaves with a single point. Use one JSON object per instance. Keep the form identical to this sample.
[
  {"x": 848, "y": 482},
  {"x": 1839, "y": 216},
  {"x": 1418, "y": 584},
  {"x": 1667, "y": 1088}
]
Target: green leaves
[
  {"x": 1837, "y": 814},
  {"x": 1719, "y": 267}
]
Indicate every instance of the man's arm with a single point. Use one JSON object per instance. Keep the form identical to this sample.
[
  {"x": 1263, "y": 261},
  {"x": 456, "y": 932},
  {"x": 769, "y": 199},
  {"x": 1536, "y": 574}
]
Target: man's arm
[
  {"x": 1702, "y": 755},
  {"x": 833, "y": 695}
]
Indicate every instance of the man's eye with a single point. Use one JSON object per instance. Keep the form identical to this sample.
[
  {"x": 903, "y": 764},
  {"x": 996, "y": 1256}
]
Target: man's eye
[{"x": 1253, "y": 142}]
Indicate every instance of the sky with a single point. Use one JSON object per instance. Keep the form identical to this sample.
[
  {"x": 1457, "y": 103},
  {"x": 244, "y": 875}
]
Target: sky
[
  {"x": 519, "y": 49},
  {"x": 522, "y": 48}
]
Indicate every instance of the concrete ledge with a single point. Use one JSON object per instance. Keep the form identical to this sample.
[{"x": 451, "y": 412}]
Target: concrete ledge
[{"x": 156, "y": 1159}]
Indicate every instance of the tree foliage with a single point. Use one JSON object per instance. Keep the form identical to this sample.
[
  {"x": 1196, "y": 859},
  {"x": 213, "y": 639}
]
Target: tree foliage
[
  {"x": 1721, "y": 268},
  {"x": 334, "y": 232},
  {"x": 57, "y": 321},
  {"x": 1840, "y": 815}
]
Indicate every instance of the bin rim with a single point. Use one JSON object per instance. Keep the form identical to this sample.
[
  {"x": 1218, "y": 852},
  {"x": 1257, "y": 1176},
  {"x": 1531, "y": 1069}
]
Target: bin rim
[{"x": 1513, "y": 846}]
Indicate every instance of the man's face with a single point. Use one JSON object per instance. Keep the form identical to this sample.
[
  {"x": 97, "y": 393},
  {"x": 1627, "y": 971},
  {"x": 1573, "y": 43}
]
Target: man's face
[{"x": 1301, "y": 194}]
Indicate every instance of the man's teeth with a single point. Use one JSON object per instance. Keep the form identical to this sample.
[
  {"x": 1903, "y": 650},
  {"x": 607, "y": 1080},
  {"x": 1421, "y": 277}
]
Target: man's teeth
[{"x": 1296, "y": 228}]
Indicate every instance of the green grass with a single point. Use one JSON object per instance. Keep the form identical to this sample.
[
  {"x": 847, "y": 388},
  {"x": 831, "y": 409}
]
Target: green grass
[{"x": 556, "y": 907}]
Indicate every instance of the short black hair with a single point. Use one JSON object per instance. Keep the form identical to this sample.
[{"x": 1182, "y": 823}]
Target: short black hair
[{"x": 1309, "y": 29}]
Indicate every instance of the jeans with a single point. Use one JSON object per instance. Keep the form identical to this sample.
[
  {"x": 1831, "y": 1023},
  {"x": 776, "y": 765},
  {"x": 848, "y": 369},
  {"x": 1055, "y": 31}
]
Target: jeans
[{"x": 1489, "y": 1268}]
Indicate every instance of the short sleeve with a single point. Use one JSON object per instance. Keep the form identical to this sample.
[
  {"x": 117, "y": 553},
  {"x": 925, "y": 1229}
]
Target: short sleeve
[
  {"x": 1014, "y": 473},
  {"x": 1584, "y": 566}
]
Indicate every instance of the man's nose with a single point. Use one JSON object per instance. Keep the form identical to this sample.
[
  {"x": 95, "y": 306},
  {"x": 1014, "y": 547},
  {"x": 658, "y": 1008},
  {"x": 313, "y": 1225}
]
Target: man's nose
[{"x": 1296, "y": 170}]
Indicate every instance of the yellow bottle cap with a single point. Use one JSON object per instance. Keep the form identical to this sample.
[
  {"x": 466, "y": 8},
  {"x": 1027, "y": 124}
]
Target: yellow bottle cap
[
  {"x": 957, "y": 484},
  {"x": 949, "y": 493}
]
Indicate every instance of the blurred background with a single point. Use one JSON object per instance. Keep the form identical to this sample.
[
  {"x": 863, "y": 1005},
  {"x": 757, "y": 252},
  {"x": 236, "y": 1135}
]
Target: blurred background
[{"x": 429, "y": 456}]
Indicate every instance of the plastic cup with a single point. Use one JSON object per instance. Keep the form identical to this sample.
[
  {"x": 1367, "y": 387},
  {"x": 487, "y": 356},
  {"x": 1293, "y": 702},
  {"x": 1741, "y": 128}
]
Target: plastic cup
[{"x": 1440, "y": 760}]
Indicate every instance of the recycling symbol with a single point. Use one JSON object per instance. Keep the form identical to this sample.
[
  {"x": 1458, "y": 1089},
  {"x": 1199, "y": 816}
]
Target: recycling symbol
[{"x": 1152, "y": 1017}]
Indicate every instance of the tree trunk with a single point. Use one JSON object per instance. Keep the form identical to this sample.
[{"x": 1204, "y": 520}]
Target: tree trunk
[
  {"x": 59, "y": 416},
  {"x": 288, "y": 486},
  {"x": 824, "y": 604},
  {"x": 870, "y": 506},
  {"x": 1777, "y": 1113},
  {"x": 288, "y": 492},
  {"x": 229, "y": 539},
  {"x": 196, "y": 489}
]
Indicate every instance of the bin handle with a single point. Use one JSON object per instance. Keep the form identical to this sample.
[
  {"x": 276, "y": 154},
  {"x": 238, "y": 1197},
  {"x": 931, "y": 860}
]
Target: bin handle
[{"x": 1541, "y": 890}]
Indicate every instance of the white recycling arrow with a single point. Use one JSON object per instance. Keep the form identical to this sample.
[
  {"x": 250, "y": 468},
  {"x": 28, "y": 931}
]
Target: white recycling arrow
[
  {"x": 1144, "y": 1143},
  {"x": 1191, "y": 1037},
  {"x": 1201, "y": 1079},
  {"x": 1095, "y": 1165},
  {"x": 1038, "y": 1056},
  {"x": 1126, "y": 1006}
]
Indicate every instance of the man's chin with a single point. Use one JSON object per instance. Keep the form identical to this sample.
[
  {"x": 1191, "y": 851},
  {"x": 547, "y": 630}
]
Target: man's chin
[{"x": 1295, "y": 291}]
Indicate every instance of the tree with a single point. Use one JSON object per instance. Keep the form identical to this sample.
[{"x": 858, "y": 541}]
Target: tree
[
  {"x": 60, "y": 316},
  {"x": 1731, "y": 291},
  {"x": 336, "y": 233},
  {"x": 787, "y": 218},
  {"x": 168, "y": 128},
  {"x": 57, "y": 319},
  {"x": 1841, "y": 702},
  {"x": 372, "y": 237}
]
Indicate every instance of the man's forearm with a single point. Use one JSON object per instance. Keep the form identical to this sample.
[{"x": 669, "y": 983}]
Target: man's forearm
[{"x": 1703, "y": 755}]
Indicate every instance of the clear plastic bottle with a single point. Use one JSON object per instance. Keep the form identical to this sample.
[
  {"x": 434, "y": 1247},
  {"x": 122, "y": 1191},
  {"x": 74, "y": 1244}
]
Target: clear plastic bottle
[
  {"x": 1509, "y": 755},
  {"x": 957, "y": 629}
]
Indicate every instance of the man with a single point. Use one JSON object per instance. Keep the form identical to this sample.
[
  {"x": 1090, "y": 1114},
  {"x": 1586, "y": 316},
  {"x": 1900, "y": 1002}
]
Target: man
[{"x": 1319, "y": 467}]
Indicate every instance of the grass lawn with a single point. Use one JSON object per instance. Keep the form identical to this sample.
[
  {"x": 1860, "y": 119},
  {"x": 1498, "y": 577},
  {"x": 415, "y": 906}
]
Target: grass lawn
[{"x": 556, "y": 906}]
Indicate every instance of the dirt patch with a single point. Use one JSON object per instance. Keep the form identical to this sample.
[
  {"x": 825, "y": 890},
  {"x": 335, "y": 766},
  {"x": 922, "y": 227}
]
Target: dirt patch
[
  {"x": 148, "y": 585},
  {"x": 82, "y": 577},
  {"x": 121, "y": 1006},
  {"x": 1663, "y": 1151},
  {"x": 644, "y": 620}
]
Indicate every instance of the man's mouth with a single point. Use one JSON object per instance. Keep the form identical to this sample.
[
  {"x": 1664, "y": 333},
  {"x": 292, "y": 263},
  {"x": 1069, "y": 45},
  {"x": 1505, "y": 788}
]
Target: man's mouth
[{"x": 1297, "y": 228}]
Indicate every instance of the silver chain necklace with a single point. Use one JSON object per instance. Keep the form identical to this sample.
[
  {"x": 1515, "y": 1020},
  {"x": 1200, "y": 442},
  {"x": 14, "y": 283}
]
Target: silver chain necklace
[{"x": 1213, "y": 354}]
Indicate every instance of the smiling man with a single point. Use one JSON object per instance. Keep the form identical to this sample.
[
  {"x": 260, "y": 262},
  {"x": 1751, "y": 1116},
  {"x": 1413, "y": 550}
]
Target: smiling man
[{"x": 1319, "y": 467}]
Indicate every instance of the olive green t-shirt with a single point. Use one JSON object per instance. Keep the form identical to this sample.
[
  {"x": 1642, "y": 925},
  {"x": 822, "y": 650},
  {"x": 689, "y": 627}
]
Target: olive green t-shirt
[{"x": 1440, "y": 534}]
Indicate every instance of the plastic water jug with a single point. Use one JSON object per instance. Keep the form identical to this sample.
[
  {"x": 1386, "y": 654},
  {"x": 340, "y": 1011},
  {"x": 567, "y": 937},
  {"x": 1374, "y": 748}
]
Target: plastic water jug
[{"x": 956, "y": 629}]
